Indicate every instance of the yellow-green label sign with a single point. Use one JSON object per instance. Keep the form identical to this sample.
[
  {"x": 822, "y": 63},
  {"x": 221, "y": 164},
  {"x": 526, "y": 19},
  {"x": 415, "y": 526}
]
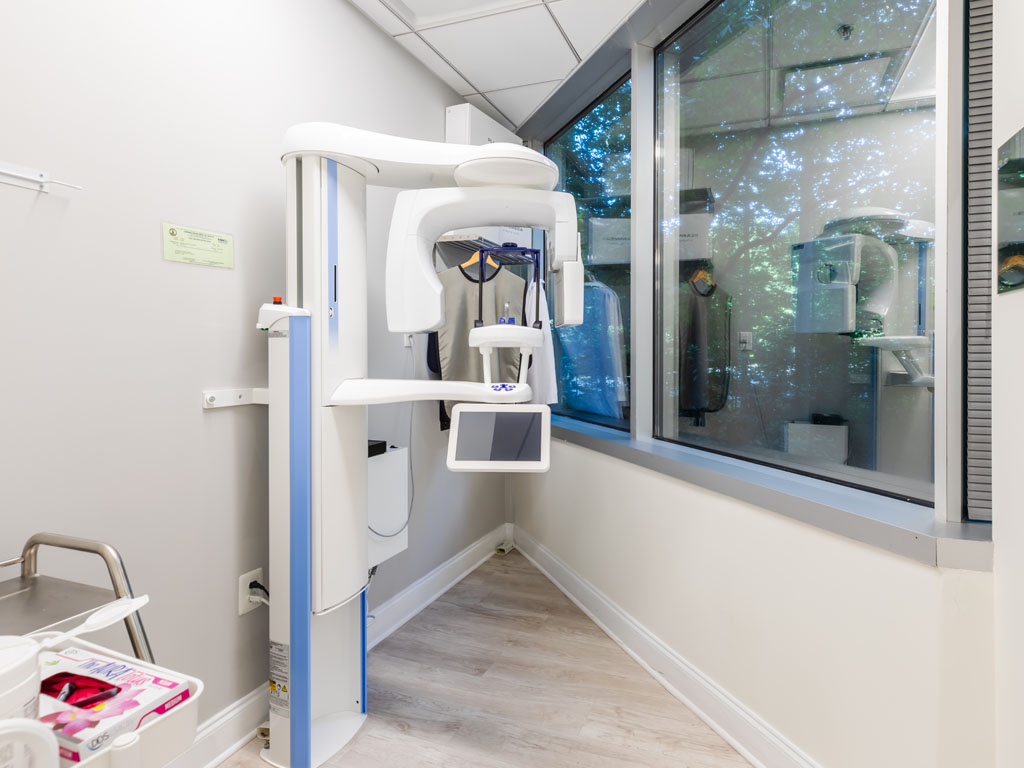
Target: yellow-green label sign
[{"x": 197, "y": 246}]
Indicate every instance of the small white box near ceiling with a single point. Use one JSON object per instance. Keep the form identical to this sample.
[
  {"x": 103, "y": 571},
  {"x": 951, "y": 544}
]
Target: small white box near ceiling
[{"x": 465, "y": 124}]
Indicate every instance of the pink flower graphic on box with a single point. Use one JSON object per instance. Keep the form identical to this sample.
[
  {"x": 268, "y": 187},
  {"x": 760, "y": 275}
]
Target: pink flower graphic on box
[{"x": 71, "y": 721}]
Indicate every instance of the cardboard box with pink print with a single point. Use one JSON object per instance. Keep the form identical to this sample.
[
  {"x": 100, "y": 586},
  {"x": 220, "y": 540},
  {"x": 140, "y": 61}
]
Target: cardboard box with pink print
[{"x": 89, "y": 699}]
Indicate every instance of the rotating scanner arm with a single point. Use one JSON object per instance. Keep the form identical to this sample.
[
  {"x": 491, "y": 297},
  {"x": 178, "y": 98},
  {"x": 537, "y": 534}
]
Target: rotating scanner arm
[
  {"x": 414, "y": 293},
  {"x": 394, "y": 161}
]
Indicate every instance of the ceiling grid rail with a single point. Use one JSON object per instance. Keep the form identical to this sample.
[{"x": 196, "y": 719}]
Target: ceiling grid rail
[{"x": 505, "y": 57}]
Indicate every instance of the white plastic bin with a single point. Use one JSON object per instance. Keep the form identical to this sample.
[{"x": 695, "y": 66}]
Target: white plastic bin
[{"x": 161, "y": 739}]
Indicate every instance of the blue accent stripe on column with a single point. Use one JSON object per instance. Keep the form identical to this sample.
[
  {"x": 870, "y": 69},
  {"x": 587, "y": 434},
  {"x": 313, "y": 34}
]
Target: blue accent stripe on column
[
  {"x": 362, "y": 660},
  {"x": 332, "y": 277},
  {"x": 300, "y": 538}
]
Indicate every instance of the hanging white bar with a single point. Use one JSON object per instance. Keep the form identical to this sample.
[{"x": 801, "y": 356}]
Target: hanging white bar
[
  {"x": 224, "y": 398},
  {"x": 29, "y": 178}
]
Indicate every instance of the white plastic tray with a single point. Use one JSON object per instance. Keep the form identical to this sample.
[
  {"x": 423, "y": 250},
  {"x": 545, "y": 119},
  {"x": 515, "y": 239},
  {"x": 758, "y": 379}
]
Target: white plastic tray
[{"x": 160, "y": 740}]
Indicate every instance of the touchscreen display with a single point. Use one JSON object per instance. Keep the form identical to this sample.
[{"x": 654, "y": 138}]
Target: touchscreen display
[{"x": 499, "y": 436}]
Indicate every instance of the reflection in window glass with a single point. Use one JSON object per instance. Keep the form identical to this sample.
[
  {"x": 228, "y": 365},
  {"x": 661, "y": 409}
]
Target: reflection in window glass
[
  {"x": 593, "y": 158},
  {"x": 796, "y": 204}
]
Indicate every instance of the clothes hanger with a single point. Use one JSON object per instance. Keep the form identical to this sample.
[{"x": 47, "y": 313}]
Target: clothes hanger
[
  {"x": 475, "y": 258},
  {"x": 702, "y": 282}
]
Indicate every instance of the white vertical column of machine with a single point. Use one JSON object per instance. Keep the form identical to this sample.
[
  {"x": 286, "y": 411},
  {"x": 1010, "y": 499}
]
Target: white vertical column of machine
[
  {"x": 337, "y": 278},
  {"x": 279, "y": 579},
  {"x": 325, "y": 275},
  {"x": 334, "y": 290}
]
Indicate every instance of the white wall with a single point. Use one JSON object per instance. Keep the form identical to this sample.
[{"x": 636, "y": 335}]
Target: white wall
[
  {"x": 175, "y": 112},
  {"x": 1008, "y": 425},
  {"x": 857, "y": 656}
]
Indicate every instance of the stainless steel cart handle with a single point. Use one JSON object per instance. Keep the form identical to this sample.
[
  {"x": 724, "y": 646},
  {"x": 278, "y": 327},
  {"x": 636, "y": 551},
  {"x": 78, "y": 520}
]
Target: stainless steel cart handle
[{"x": 115, "y": 567}]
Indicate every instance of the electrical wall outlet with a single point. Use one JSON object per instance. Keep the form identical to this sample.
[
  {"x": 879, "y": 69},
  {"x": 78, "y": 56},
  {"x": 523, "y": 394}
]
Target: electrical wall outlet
[
  {"x": 244, "y": 603},
  {"x": 746, "y": 341}
]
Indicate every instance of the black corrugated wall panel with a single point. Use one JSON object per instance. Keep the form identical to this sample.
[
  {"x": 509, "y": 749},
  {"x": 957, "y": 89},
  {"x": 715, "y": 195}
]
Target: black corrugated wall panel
[{"x": 978, "y": 264}]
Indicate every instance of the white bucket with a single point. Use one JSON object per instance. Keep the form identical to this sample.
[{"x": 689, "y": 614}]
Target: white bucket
[
  {"x": 19, "y": 706},
  {"x": 38, "y": 745},
  {"x": 19, "y": 677}
]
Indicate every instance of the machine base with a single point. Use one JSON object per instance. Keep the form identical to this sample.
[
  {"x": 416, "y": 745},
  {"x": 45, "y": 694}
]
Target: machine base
[{"x": 330, "y": 733}]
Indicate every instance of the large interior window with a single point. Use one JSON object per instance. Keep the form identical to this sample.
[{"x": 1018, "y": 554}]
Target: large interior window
[
  {"x": 795, "y": 265},
  {"x": 593, "y": 158}
]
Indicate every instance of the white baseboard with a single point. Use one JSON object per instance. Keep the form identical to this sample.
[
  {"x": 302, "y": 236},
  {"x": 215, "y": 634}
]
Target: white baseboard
[
  {"x": 393, "y": 613},
  {"x": 750, "y": 735},
  {"x": 226, "y": 732}
]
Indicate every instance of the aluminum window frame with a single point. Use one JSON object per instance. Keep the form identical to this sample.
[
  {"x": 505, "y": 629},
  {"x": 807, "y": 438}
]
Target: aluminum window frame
[
  {"x": 669, "y": 422},
  {"x": 940, "y": 536},
  {"x": 618, "y": 82}
]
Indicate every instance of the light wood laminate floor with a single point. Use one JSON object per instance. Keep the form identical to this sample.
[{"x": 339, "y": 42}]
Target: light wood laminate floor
[{"x": 503, "y": 671}]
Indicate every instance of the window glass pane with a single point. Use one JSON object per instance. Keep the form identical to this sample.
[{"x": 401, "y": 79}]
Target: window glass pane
[
  {"x": 796, "y": 201},
  {"x": 593, "y": 157}
]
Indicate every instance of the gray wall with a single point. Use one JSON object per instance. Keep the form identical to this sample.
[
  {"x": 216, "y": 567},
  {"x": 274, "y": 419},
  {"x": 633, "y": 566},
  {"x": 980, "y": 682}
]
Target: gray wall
[{"x": 175, "y": 112}]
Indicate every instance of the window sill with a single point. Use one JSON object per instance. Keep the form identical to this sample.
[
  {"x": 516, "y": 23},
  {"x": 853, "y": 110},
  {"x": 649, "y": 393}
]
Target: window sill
[{"x": 905, "y": 529}]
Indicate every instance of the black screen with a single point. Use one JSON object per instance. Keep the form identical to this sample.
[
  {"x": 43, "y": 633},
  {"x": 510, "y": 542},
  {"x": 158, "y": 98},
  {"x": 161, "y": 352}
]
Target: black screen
[{"x": 499, "y": 436}]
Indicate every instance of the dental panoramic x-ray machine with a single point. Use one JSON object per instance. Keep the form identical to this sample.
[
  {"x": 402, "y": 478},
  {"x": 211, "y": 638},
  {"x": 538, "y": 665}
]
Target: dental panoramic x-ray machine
[{"x": 319, "y": 390}]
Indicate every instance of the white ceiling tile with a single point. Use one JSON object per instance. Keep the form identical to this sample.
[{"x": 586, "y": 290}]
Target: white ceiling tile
[
  {"x": 519, "y": 103},
  {"x": 505, "y": 50},
  {"x": 589, "y": 22},
  {"x": 488, "y": 109},
  {"x": 808, "y": 32},
  {"x": 381, "y": 16},
  {"x": 412, "y": 43},
  {"x": 429, "y": 13}
]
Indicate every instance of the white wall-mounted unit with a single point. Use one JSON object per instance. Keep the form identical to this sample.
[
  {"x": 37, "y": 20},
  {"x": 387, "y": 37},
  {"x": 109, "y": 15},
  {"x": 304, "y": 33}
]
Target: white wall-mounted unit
[
  {"x": 465, "y": 124},
  {"x": 388, "y": 509}
]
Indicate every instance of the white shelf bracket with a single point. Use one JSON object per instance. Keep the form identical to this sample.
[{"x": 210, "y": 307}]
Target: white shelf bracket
[
  {"x": 29, "y": 178},
  {"x": 227, "y": 398}
]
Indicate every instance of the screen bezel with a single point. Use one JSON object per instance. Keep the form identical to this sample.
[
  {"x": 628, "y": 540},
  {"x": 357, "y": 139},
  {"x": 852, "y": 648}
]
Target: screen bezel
[{"x": 501, "y": 466}]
